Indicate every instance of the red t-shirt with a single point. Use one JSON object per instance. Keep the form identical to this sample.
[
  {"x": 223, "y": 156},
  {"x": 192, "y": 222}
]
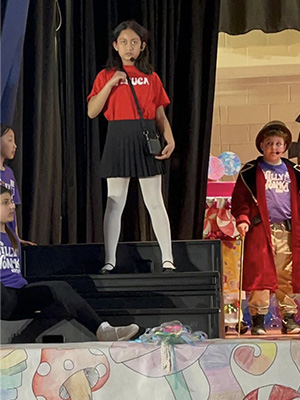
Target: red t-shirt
[{"x": 120, "y": 104}]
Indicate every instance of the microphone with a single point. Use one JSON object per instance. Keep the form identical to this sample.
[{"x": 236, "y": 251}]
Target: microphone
[
  {"x": 132, "y": 59},
  {"x": 278, "y": 152}
]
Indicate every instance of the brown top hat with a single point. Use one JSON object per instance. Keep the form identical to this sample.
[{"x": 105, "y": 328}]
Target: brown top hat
[{"x": 270, "y": 126}]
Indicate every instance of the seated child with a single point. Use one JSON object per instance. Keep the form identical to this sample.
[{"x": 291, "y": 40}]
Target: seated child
[{"x": 57, "y": 299}]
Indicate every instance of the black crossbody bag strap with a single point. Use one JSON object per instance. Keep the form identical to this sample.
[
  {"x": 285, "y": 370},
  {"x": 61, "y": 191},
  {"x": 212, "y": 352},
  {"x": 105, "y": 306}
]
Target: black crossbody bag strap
[
  {"x": 153, "y": 144},
  {"x": 145, "y": 131}
]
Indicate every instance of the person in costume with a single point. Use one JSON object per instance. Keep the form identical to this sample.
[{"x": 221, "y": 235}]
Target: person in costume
[
  {"x": 266, "y": 205},
  {"x": 55, "y": 299},
  {"x": 124, "y": 156}
]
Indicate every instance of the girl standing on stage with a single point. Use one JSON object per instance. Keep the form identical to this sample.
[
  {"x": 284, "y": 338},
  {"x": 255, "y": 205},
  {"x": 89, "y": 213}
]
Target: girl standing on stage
[{"x": 124, "y": 155}]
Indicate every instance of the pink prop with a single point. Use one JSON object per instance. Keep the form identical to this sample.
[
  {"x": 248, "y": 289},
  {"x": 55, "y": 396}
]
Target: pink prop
[{"x": 216, "y": 168}]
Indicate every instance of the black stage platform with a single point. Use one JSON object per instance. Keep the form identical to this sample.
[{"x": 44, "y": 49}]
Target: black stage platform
[
  {"x": 189, "y": 256},
  {"x": 192, "y": 295}
]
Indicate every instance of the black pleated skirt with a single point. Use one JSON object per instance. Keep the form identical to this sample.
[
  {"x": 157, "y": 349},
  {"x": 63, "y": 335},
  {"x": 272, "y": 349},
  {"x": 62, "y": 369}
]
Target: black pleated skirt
[{"x": 124, "y": 153}]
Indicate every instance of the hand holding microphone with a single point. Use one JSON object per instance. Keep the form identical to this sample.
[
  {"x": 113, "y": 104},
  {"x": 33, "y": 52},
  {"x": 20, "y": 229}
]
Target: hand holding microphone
[{"x": 117, "y": 77}]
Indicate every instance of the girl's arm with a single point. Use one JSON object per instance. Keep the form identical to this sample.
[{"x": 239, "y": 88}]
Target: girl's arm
[
  {"x": 97, "y": 102},
  {"x": 165, "y": 128}
]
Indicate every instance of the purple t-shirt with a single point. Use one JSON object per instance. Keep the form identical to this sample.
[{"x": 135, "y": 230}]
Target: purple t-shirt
[
  {"x": 277, "y": 191},
  {"x": 10, "y": 264},
  {"x": 7, "y": 178}
]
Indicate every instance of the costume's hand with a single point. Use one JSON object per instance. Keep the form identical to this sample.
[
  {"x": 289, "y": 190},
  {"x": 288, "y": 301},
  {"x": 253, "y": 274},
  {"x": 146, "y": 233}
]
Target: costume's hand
[
  {"x": 117, "y": 77},
  {"x": 166, "y": 151},
  {"x": 243, "y": 228},
  {"x": 27, "y": 243}
]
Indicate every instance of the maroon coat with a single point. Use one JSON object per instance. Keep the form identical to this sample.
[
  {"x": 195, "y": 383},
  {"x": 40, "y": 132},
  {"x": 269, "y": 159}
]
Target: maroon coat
[{"x": 249, "y": 205}]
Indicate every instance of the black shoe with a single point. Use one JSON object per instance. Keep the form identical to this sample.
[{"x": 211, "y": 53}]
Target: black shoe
[
  {"x": 289, "y": 325},
  {"x": 258, "y": 325},
  {"x": 168, "y": 268},
  {"x": 106, "y": 269},
  {"x": 244, "y": 327}
]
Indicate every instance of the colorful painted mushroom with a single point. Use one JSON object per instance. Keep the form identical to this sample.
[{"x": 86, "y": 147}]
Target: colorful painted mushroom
[
  {"x": 146, "y": 360},
  {"x": 70, "y": 374},
  {"x": 12, "y": 364}
]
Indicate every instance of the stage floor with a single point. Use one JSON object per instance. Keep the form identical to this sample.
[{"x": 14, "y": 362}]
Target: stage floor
[
  {"x": 249, "y": 368},
  {"x": 274, "y": 333}
]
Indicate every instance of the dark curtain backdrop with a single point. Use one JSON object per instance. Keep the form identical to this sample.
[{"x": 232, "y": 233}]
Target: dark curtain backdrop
[
  {"x": 183, "y": 45},
  {"x": 57, "y": 162},
  {"x": 242, "y": 16},
  {"x": 37, "y": 125},
  {"x": 59, "y": 148}
]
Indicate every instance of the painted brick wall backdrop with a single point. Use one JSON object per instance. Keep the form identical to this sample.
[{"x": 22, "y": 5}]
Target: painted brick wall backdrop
[{"x": 258, "y": 80}]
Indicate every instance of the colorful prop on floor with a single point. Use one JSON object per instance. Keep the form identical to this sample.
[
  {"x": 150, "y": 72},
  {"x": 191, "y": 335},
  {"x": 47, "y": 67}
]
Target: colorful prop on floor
[
  {"x": 226, "y": 221},
  {"x": 219, "y": 223},
  {"x": 73, "y": 373},
  {"x": 231, "y": 255},
  {"x": 167, "y": 335},
  {"x": 232, "y": 163},
  {"x": 172, "y": 333},
  {"x": 210, "y": 218}
]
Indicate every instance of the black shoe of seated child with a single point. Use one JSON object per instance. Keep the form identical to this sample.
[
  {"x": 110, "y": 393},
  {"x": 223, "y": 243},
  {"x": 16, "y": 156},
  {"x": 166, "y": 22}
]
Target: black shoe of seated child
[
  {"x": 289, "y": 325},
  {"x": 168, "y": 267},
  {"x": 258, "y": 325}
]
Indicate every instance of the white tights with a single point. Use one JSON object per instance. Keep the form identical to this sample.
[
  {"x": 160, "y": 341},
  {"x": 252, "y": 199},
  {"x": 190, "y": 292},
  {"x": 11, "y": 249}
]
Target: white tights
[{"x": 117, "y": 189}]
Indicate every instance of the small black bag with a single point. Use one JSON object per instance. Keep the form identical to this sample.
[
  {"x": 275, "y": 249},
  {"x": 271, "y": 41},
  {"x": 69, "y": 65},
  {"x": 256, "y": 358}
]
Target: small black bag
[{"x": 153, "y": 145}]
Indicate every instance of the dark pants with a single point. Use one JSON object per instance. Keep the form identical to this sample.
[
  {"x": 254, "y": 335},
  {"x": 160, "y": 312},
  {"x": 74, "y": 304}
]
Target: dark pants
[{"x": 55, "y": 299}]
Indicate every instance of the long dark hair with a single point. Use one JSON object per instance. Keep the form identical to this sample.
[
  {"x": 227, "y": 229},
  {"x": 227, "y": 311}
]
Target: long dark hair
[
  {"x": 5, "y": 128},
  {"x": 142, "y": 62},
  {"x": 12, "y": 237}
]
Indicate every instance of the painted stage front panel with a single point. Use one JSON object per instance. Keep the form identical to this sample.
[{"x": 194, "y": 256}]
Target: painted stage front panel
[{"x": 212, "y": 370}]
